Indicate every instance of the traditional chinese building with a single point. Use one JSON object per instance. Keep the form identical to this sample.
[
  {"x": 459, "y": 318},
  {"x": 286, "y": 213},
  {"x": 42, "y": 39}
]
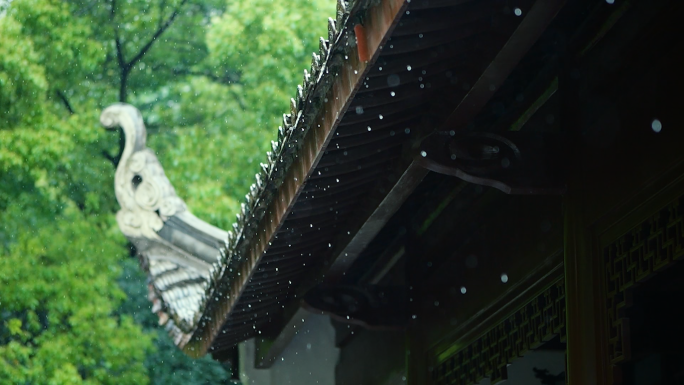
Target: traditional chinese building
[{"x": 472, "y": 191}]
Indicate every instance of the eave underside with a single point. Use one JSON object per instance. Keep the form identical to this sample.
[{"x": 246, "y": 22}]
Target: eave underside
[{"x": 434, "y": 57}]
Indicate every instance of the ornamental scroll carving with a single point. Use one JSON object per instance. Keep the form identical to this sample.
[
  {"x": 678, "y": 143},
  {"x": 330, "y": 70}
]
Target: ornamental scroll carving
[
  {"x": 179, "y": 252},
  {"x": 634, "y": 258},
  {"x": 142, "y": 189},
  {"x": 488, "y": 356}
]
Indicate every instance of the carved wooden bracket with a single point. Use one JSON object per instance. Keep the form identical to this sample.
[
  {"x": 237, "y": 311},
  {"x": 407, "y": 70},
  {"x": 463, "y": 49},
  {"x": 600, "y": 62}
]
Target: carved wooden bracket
[
  {"x": 369, "y": 306},
  {"x": 514, "y": 162}
]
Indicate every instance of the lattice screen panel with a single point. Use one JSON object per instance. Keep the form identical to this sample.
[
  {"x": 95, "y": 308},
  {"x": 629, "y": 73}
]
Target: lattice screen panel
[
  {"x": 533, "y": 324},
  {"x": 634, "y": 258}
]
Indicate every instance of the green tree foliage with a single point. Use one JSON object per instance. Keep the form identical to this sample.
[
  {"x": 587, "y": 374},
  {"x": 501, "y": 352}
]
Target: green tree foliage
[
  {"x": 211, "y": 78},
  {"x": 262, "y": 46},
  {"x": 57, "y": 324}
]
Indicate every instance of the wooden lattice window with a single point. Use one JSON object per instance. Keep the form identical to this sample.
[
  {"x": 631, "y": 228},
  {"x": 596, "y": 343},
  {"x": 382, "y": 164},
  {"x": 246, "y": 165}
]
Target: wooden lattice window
[
  {"x": 527, "y": 328},
  {"x": 634, "y": 258}
]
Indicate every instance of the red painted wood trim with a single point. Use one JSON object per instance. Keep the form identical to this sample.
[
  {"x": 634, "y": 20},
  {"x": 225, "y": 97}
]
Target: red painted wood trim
[{"x": 360, "y": 32}]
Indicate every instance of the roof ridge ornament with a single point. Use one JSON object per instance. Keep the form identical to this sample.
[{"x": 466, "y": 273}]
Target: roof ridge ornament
[
  {"x": 142, "y": 189},
  {"x": 180, "y": 252}
]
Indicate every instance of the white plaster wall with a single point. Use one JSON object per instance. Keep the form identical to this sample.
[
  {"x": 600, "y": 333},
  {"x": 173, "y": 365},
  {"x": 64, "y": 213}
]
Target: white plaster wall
[{"x": 310, "y": 358}]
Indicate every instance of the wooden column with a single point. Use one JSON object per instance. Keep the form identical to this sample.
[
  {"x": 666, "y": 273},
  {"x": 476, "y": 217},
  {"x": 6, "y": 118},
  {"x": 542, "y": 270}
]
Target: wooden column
[
  {"x": 582, "y": 256},
  {"x": 584, "y": 294}
]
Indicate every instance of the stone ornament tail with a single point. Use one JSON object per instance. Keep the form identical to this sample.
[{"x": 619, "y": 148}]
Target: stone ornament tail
[{"x": 179, "y": 252}]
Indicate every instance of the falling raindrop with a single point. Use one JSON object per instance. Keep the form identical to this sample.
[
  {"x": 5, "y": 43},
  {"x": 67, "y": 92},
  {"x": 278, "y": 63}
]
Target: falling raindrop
[
  {"x": 359, "y": 110},
  {"x": 463, "y": 290},
  {"x": 518, "y": 12},
  {"x": 392, "y": 93},
  {"x": 504, "y": 278},
  {"x": 423, "y": 154},
  {"x": 369, "y": 128},
  {"x": 408, "y": 67},
  {"x": 380, "y": 116},
  {"x": 656, "y": 125}
]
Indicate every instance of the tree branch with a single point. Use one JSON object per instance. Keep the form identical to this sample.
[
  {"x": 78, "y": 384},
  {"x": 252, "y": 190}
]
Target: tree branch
[
  {"x": 64, "y": 99},
  {"x": 162, "y": 4},
  {"x": 156, "y": 35},
  {"x": 122, "y": 143},
  {"x": 119, "y": 51},
  {"x": 228, "y": 78},
  {"x": 122, "y": 67},
  {"x": 125, "y": 67}
]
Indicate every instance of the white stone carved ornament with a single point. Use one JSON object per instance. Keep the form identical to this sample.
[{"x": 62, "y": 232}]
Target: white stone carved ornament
[{"x": 178, "y": 250}]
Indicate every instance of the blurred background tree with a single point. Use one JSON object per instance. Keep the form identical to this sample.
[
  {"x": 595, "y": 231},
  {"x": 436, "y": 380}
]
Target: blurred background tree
[{"x": 211, "y": 79}]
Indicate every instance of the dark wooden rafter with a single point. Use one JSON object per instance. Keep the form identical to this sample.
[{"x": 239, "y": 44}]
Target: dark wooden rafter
[
  {"x": 349, "y": 251},
  {"x": 444, "y": 19}
]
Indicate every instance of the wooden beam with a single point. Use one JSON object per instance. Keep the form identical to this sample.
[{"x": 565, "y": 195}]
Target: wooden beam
[
  {"x": 374, "y": 222},
  {"x": 519, "y": 43}
]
